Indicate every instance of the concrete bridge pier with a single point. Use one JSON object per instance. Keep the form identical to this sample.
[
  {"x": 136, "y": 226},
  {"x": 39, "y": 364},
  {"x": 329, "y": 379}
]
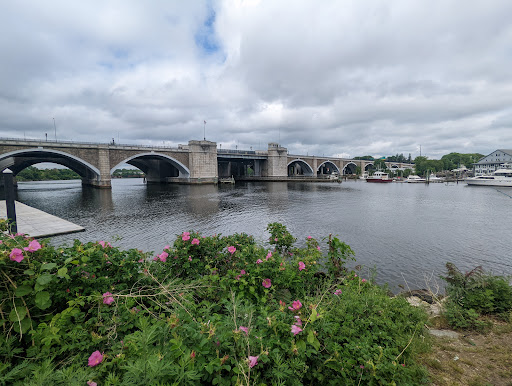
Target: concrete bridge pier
[
  {"x": 203, "y": 162},
  {"x": 277, "y": 164},
  {"x": 103, "y": 180}
]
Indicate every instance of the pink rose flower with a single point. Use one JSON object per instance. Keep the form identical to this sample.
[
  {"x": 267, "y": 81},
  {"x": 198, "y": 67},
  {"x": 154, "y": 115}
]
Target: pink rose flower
[
  {"x": 231, "y": 249},
  {"x": 190, "y": 258},
  {"x": 301, "y": 266},
  {"x": 242, "y": 272},
  {"x": 195, "y": 242},
  {"x": 266, "y": 283},
  {"x": 276, "y": 239},
  {"x": 185, "y": 236},
  {"x": 337, "y": 292},
  {"x": 269, "y": 255},
  {"x": 92, "y": 383},
  {"x": 95, "y": 359},
  {"x": 363, "y": 281},
  {"x": 167, "y": 247},
  {"x": 296, "y": 329},
  {"x": 296, "y": 305},
  {"x": 163, "y": 256},
  {"x": 309, "y": 237},
  {"x": 244, "y": 329},
  {"x": 319, "y": 248},
  {"x": 108, "y": 298},
  {"x": 259, "y": 261},
  {"x": 104, "y": 244},
  {"x": 16, "y": 255},
  {"x": 33, "y": 246},
  {"x": 253, "y": 361},
  {"x": 298, "y": 322}
]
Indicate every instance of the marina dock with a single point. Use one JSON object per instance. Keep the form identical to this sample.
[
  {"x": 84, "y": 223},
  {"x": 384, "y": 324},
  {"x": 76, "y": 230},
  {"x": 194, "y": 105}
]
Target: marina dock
[{"x": 36, "y": 223}]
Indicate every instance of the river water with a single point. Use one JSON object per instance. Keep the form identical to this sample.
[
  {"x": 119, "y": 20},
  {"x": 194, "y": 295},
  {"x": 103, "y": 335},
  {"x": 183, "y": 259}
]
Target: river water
[{"x": 406, "y": 231}]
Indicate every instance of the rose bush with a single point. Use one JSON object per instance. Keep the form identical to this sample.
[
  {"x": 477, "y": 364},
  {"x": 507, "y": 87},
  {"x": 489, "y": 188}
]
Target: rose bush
[{"x": 210, "y": 310}]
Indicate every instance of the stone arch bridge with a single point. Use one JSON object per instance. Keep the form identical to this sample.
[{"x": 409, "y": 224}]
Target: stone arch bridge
[{"x": 195, "y": 163}]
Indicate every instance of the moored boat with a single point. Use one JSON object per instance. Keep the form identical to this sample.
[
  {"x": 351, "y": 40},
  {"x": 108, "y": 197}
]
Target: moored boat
[
  {"x": 415, "y": 179},
  {"x": 434, "y": 178},
  {"x": 379, "y": 177},
  {"x": 501, "y": 177}
]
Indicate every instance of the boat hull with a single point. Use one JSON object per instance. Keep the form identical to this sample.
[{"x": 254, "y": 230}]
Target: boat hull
[
  {"x": 378, "y": 180},
  {"x": 489, "y": 182}
]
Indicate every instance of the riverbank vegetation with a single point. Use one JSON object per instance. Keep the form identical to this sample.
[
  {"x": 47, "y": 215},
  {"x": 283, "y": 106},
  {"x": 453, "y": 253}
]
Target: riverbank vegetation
[
  {"x": 208, "y": 309},
  {"x": 128, "y": 173},
  {"x": 32, "y": 173}
]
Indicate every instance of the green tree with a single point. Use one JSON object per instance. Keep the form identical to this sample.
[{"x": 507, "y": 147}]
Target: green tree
[{"x": 365, "y": 157}]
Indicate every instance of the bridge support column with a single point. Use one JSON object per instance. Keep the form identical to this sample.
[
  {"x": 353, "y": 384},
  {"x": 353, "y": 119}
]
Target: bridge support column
[
  {"x": 203, "y": 162},
  {"x": 277, "y": 165},
  {"x": 257, "y": 168},
  {"x": 103, "y": 181},
  {"x": 314, "y": 165}
]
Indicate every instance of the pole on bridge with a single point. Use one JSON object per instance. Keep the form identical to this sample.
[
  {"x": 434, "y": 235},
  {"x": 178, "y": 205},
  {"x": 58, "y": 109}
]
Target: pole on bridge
[
  {"x": 9, "y": 201},
  {"x": 204, "y": 131}
]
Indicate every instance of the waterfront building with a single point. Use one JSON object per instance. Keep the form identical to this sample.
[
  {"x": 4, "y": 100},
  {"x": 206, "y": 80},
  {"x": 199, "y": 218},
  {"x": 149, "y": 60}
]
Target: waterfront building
[{"x": 491, "y": 162}]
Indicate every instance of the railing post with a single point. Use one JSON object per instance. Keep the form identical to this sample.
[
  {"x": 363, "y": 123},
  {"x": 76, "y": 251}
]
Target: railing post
[{"x": 9, "y": 201}]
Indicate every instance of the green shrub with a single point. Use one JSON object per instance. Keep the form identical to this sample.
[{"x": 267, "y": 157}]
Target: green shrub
[
  {"x": 206, "y": 310},
  {"x": 475, "y": 293}
]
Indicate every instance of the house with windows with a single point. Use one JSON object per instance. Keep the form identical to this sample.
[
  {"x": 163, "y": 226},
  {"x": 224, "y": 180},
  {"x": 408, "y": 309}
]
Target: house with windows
[{"x": 491, "y": 162}]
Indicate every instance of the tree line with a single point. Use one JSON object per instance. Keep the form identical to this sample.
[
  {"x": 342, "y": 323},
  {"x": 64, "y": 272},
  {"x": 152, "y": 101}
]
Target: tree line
[
  {"x": 32, "y": 173},
  {"x": 422, "y": 164}
]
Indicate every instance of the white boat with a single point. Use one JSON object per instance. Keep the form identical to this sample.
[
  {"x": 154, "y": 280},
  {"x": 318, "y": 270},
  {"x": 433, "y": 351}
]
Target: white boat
[
  {"x": 434, "y": 178},
  {"x": 415, "y": 179},
  {"x": 501, "y": 177},
  {"x": 364, "y": 176},
  {"x": 379, "y": 177}
]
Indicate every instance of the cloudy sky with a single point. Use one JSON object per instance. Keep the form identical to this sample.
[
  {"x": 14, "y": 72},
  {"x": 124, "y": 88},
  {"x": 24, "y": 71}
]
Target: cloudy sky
[{"x": 323, "y": 77}]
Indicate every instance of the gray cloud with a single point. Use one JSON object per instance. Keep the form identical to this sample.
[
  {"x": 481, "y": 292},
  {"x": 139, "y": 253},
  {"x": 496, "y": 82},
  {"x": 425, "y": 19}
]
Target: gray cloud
[{"x": 336, "y": 77}]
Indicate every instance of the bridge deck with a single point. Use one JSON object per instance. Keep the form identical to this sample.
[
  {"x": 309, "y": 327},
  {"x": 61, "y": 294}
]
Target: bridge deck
[{"x": 36, "y": 223}]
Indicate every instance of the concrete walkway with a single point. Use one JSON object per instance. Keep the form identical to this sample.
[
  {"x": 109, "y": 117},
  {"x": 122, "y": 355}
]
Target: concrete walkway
[{"x": 36, "y": 223}]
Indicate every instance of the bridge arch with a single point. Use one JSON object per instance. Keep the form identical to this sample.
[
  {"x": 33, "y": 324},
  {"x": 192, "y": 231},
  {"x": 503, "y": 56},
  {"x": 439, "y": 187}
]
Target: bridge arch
[
  {"x": 368, "y": 167},
  {"x": 350, "y": 168},
  {"x": 20, "y": 159},
  {"x": 156, "y": 166},
  {"x": 299, "y": 167},
  {"x": 328, "y": 167}
]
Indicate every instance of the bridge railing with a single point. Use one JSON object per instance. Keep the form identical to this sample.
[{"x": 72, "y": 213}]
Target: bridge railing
[{"x": 84, "y": 143}]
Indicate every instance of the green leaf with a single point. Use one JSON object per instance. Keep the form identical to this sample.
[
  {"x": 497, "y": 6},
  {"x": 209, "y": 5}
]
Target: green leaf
[
  {"x": 62, "y": 272},
  {"x": 25, "y": 325},
  {"x": 311, "y": 337},
  {"x": 48, "y": 266},
  {"x": 301, "y": 345},
  {"x": 43, "y": 300},
  {"x": 316, "y": 344},
  {"x": 29, "y": 272},
  {"x": 17, "y": 314},
  {"x": 85, "y": 259},
  {"x": 314, "y": 315},
  {"x": 44, "y": 279},
  {"x": 23, "y": 290}
]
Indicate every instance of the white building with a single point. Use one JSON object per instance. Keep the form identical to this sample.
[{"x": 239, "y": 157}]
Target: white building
[{"x": 491, "y": 162}]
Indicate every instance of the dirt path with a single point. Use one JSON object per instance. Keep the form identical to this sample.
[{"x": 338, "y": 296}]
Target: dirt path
[{"x": 472, "y": 359}]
